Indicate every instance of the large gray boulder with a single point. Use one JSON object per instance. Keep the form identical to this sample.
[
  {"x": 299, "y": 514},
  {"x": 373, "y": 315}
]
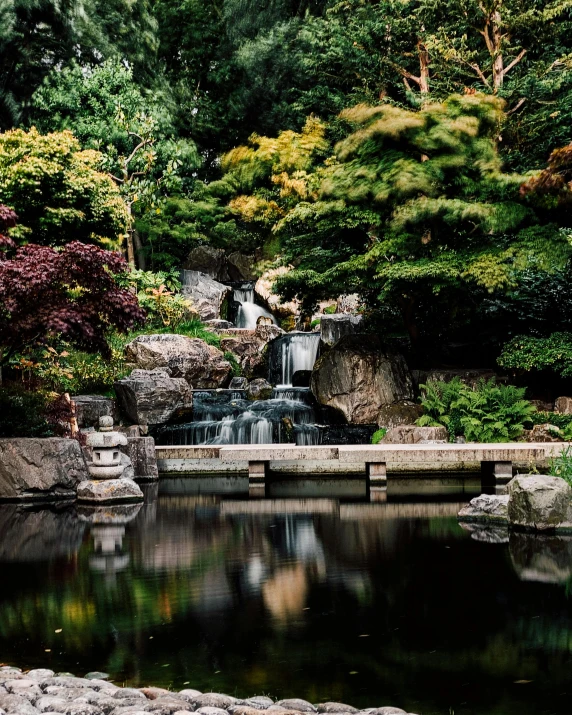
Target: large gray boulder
[
  {"x": 209, "y": 261},
  {"x": 335, "y": 326},
  {"x": 206, "y": 294},
  {"x": 153, "y": 397},
  {"x": 40, "y": 468},
  {"x": 359, "y": 376},
  {"x": 539, "y": 502},
  {"x": 202, "y": 366},
  {"x": 249, "y": 348}
]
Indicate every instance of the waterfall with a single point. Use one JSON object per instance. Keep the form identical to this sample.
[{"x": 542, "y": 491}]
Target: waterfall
[
  {"x": 249, "y": 311},
  {"x": 219, "y": 417},
  {"x": 292, "y": 353}
]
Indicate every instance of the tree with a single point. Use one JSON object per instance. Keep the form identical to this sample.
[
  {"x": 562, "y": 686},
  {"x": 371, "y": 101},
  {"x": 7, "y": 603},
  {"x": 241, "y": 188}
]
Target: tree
[
  {"x": 109, "y": 112},
  {"x": 39, "y": 35},
  {"x": 69, "y": 292},
  {"x": 412, "y": 211},
  {"x": 59, "y": 191}
]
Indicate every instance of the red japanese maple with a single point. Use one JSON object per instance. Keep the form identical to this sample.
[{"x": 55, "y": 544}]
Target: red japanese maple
[{"x": 70, "y": 292}]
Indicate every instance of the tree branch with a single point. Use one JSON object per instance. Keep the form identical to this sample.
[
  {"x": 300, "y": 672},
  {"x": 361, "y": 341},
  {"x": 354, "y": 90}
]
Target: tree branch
[{"x": 516, "y": 60}]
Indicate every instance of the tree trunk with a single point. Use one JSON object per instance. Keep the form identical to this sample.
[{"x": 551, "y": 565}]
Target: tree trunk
[
  {"x": 423, "y": 68},
  {"x": 139, "y": 252},
  {"x": 130, "y": 229},
  {"x": 407, "y": 305},
  {"x": 498, "y": 64}
]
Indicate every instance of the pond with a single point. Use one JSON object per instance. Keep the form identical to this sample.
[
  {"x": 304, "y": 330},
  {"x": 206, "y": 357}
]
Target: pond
[{"x": 318, "y": 590}]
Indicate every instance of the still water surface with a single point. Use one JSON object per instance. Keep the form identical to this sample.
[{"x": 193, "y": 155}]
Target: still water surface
[{"x": 369, "y": 599}]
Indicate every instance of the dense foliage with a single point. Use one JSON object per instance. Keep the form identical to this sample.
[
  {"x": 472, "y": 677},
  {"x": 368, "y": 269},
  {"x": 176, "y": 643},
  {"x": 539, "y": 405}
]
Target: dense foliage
[
  {"x": 71, "y": 292},
  {"x": 484, "y": 412}
]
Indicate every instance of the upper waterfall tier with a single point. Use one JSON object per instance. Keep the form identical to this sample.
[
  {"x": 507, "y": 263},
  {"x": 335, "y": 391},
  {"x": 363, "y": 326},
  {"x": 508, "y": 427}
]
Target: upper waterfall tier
[
  {"x": 292, "y": 353},
  {"x": 249, "y": 311}
]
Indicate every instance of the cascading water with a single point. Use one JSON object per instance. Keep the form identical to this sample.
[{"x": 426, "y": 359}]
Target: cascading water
[
  {"x": 226, "y": 417},
  {"x": 292, "y": 353},
  {"x": 249, "y": 311}
]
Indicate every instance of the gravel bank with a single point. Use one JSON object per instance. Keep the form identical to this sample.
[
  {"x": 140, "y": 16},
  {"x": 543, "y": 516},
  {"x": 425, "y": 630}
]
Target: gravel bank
[{"x": 42, "y": 692}]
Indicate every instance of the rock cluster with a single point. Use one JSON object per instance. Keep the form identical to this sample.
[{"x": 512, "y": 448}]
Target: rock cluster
[
  {"x": 41, "y": 691},
  {"x": 534, "y": 501}
]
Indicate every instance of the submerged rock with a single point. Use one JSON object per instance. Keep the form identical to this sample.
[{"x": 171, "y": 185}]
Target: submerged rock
[
  {"x": 539, "y": 502},
  {"x": 40, "y": 468},
  {"x": 201, "y": 365},
  {"x": 153, "y": 397},
  {"x": 359, "y": 376}
]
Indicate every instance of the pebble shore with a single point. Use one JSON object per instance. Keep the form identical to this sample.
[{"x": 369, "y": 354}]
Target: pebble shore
[{"x": 42, "y": 692}]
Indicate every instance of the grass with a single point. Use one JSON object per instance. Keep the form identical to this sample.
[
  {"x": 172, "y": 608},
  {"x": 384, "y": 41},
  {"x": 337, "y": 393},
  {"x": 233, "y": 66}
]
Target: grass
[{"x": 561, "y": 466}]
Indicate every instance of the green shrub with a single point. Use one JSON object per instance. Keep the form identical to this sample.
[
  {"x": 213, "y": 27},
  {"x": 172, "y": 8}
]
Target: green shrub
[
  {"x": 527, "y": 353},
  {"x": 561, "y": 466},
  {"x": 486, "y": 412},
  {"x": 156, "y": 293},
  {"x": 378, "y": 435},
  {"x": 30, "y": 414}
]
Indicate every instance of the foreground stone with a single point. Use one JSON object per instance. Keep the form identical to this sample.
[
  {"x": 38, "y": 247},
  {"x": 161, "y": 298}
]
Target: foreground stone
[
  {"x": 202, "y": 366},
  {"x": 539, "y": 502},
  {"x": 153, "y": 397},
  {"x": 41, "y": 691},
  {"x": 141, "y": 452},
  {"x": 109, "y": 490},
  {"x": 40, "y": 468},
  {"x": 534, "y": 502},
  {"x": 491, "y": 508},
  {"x": 358, "y": 377}
]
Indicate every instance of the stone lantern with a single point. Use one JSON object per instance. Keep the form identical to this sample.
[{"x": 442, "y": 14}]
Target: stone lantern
[
  {"x": 110, "y": 470},
  {"x": 107, "y": 462}
]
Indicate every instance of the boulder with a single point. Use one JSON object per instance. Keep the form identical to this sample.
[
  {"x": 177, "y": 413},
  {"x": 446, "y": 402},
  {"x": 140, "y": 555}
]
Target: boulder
[
  {"x": 202, "y": 366},
  {"x": 469, "y": 376},
  {"x": 206, "y": 294},
  {"x": 240, "y": 267},
  {"x": 259, "y": 389},
  {"x": 141, "y": 452},
  {"x": 544, "y": 433},
  {"x": 264, "y": 290},
  {"x": 89, "y": 408},
  {"x": 152, "y": 397},
  {"x": 539, "y": 502},
  {"x": 402, "y": 413},
  {"x": 40, "y": 468},
  {"x": 333, "y": 327},
  {"x": 301, "y": 378},
  {"x": 209, "y": 261},
  {"x": 489, "y": 508},
  {"x": 238, "y": 383},
  {"x": 412, "y": 434},
  {"x": 358, "y": 376},
  {"x": 563, "y": 405},
  {"x": 249, "y": 348},
  {"x": 109, "y": 490}
]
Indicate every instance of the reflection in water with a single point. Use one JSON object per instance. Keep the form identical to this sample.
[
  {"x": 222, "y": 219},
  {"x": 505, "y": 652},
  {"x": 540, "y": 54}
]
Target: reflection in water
[{"x": 318, "y": 597}]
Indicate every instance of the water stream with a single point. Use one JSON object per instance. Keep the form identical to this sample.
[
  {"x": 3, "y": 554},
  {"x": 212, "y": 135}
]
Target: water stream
[
  {"x": 290, "y": 354},
  {"x": 227, "y": 417},
  {"x": 249, "y": 310}
]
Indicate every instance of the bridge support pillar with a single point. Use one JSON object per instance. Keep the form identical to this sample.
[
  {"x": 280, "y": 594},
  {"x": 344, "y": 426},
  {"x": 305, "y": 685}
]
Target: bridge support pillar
[
  {"x": 257, "y": 472},
  {"x": 376, "y": 473},
  {"x": 496, "y": 473}
]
